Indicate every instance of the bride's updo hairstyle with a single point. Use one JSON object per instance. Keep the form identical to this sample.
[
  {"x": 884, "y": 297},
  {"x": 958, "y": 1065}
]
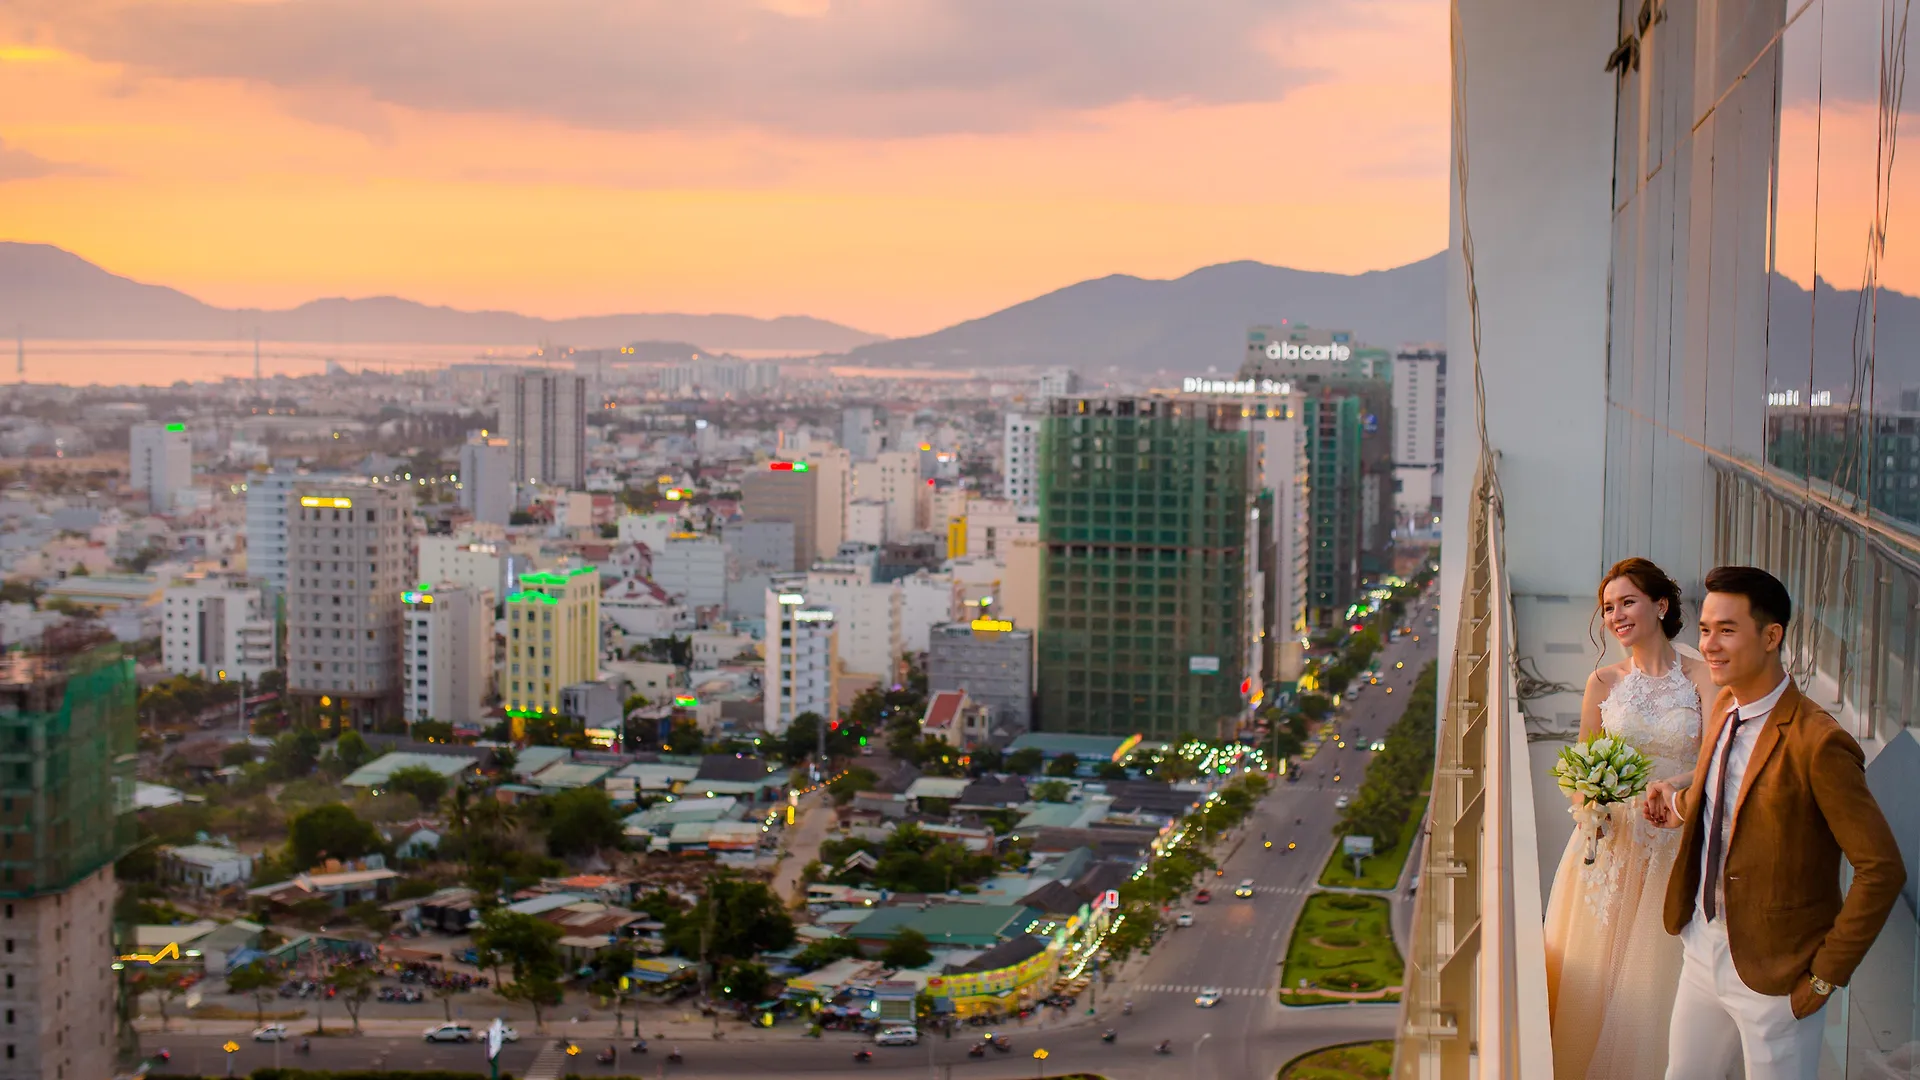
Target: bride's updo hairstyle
[{"x": 1653, "y": 581}]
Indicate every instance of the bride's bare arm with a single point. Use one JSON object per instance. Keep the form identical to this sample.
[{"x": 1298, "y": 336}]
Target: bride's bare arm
[{"x": 1597, "y": 686}]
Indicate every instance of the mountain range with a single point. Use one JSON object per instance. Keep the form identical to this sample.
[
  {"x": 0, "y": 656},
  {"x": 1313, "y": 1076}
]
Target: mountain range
[
  {"x": 1118, "y": 323},
  {"x": 46, "y": 292}
]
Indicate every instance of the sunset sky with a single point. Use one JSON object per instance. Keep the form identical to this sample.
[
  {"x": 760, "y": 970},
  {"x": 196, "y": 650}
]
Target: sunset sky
[{"x": 897, "y": 165}]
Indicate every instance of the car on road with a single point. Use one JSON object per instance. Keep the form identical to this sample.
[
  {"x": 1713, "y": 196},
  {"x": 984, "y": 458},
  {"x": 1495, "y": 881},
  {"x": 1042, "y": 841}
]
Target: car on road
[
  {"x": 1376, "y": 745},
  {"x": 897, "y": 1036},
  {"x": 1209, "y": 997},
  {"x": 507, "y": 1034},
  {"x": 450, "y": 1033},
  {"x": 1244, "y": 889},
  {"x": 1341, "y": 803},
  {"x": 1202, "y": 897},
  {"x": 1185, "y": 918},
  {"x": 270, "y": 1033}
]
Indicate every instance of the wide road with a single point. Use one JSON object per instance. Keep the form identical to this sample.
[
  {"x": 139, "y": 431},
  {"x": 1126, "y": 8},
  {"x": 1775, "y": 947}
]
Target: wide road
[{"x": 1236, "y": 945}]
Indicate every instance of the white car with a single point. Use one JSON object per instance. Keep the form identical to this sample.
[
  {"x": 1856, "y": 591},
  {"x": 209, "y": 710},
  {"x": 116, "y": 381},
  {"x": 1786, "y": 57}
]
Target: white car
[
  {"x": 1185, "y": 918},
  {"x": 270, "y": 1033},
  {"x": 897, "y": 1036},
  {"x": 1244, "y": 889},
  {"x": 507, "y": 1034},
  {"x": 1341, "y": 803},
  {"x": 1209, "y": 997},
  {"x": 450, "y": 1033}
]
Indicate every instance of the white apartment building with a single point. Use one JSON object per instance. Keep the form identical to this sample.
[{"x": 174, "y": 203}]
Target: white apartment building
[
  {"x": 59, "y": 985},
  {"x": 1419, "y": 432},
  {"x": 1020, "y": 459},
  {"x": 217, "y": 627},
  {"x": 267, "y": 521},
  {"x": 544, "y": 417},
  {"x": 867, "y": 522},
  {"x": 1059, "y": 382},
  {"x": 833, "y": 488},
  {"x": 866, "y": 616},
  {"x": 1280, "y": 466},
  {"x": 927, "y": 600},
  {"x": 896, "y": 476},
  {"x": 347, "y": 558},
  {"x": 486, "y": 481},
  {"x": 649, "y": 529},
  {"x": 446, "y": 660},
  {"x": 458, "y": 562},
  {"x": 994, "y": 524},
  {"x": 801, "y": 674},
  {"x": 692, "y": 568},
  {"x": 160, "y": 463}
]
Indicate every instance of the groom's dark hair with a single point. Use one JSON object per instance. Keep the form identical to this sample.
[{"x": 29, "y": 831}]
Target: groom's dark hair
[{"x": 1766, "y": 597}]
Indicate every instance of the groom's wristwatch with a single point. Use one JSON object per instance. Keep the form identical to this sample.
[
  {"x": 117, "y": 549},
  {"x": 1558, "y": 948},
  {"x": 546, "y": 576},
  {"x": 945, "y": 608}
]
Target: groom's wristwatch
[{"x": 1820, "y": 985}]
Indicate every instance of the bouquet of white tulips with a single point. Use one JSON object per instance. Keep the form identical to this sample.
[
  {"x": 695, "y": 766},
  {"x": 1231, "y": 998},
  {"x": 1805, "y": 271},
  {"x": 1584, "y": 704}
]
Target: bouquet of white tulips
[{"x": 1601, "y": 772}]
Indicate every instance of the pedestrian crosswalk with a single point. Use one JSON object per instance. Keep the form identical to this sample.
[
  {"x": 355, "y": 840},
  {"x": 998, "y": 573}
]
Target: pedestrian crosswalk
[
  {"x": 1283, "y": 890},
  {"x": 551, "y": 1063},
  {"x": 1225, "y": 991}
]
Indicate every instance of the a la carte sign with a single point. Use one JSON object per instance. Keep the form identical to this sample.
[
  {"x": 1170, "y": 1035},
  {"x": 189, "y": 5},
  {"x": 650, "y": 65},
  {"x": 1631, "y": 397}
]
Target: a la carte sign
[
  {"x": 1287, "y": 350},
  {"x": 1235, "y": 386}
]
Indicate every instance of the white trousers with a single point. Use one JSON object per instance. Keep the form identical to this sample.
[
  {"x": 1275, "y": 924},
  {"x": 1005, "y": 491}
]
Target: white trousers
[{"x": 1718, "y": 1019}]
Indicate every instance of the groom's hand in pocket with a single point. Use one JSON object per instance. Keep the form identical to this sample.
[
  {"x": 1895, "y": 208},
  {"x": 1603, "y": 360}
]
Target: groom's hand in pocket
[{"x": 1805, "y": 999}]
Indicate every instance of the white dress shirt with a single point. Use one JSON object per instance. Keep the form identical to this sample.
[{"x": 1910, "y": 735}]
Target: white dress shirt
[{"x": 1753, "y": 718}]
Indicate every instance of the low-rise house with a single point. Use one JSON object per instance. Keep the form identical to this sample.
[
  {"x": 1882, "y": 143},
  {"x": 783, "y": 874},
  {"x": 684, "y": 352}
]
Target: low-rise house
[
  {"x": 206, "y": 867},
  {"x": 375, "y": 773},
  {"x": 343, "y": 889}
]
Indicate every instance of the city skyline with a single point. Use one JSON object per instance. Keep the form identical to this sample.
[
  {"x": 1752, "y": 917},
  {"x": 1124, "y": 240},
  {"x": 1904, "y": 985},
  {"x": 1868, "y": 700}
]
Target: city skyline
[{"x": 898, "y": 170}]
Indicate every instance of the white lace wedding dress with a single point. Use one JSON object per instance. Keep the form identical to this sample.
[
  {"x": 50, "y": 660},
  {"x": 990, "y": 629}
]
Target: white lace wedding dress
[{"x": 1612, "y": 968}]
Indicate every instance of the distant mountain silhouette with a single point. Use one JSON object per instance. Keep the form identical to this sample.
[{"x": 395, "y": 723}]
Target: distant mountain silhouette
[
  {"x": 1188, "y": 324},
  {"x": 51, "y": 293}
]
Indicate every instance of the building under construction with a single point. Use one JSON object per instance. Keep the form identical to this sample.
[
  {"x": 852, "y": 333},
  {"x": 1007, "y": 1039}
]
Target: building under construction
[{"x": 67, "y": 748}]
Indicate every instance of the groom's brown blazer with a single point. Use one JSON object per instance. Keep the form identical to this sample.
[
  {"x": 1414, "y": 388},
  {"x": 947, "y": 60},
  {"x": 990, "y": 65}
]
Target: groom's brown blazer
[{"x": 1802, "y": 804}]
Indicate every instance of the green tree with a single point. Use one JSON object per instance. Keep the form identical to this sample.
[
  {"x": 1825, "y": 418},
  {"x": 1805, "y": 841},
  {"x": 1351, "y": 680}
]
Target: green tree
[
  {"x": 530, "y": 949},
  {"x": 354, "y": 985},
  {"x": 1111, "y": 770},
  {"x": 744, "y": 980},
  {"x": 737, "y": 919},
  {"x": 258, "y": 980},
  {"x": 1314, "y": 706},
  {"x": 1025, "y": 762},
  {"x": 851, "y": 782},
  {"x": 422, "y": 783},
  {"x": 352, "y": 750},
  {"x": 1064, "y": 765},
  {"x": 582, "y": 821},
  {"x": 293, "y": 754},
  {"x": 431, "y": 731},
  {"x": 684, "y": 737},
  {"x": 329, "y": 832},
  {"x": 908, "y": 949},
  {"x": 1053, "y": 791}
]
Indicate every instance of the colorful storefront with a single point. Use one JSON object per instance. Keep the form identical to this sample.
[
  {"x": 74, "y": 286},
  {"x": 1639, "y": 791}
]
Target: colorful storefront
[{"x": 998, "y": 990}]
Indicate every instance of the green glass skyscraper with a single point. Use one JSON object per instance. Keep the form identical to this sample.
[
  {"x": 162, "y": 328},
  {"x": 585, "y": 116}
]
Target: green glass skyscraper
[{"x": 1144, "y": 517}]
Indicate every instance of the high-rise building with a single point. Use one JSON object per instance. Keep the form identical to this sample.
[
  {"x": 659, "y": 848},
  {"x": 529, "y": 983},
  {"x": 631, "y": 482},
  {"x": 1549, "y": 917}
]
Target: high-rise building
[
  {"x": 1283, "y": 493},
  {"x": 1332, "y": 425},
  {"x": 719, "y": 377},
  {"x": 347, "y": 558},
  {"x": 219, "y": 629},
  {"x": 446, "y": 655},
  {"x": 867, "y": 522},
  {"x": 1873, "y": 456},
  {"x": 457, "y": 562},
  {"x": 69, "y": 739},
  {"x": 1019, "y": 450},
  {"x": 553, "y": 640},
  {"x": 487, "y": 478},
  {"x": 160, "y": 463},
  {"x": 544, "y": 417},
  {"x": 1419, "y": 433},
  {"x": 692, "y": 568},
  {"x": 993, "y": 665},
  {"x": 856, "y": 431},
  {"x": 786, "y": 491},
  {"x": 1058, "y": 382},
  {"x": 866, "y": 615},
  {"x": 1144, "y": 512},
  {"x": 267, "y": 509},
  {"x": 1326, "y": 366},
  {"x": 832, "y": 469},
  {"x": 801, "y": 673},
  {"x": 897, "y": 473}
]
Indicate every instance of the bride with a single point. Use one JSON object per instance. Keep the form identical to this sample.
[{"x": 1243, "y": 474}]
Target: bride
[{"x": 1612, "y": 969}]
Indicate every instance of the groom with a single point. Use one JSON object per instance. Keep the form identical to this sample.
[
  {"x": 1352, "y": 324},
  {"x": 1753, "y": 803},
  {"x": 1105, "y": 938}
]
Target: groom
[{"x": 1778, "y": 796}]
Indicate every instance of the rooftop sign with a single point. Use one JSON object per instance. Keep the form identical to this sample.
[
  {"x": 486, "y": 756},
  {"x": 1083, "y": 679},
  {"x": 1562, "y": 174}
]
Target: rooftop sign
[
  {"x": 993, "y": 625},
  {"x": 1235, "y": 386},
  {"x": 1287, "y": 350},
  {"x": 315, "y": 500}
]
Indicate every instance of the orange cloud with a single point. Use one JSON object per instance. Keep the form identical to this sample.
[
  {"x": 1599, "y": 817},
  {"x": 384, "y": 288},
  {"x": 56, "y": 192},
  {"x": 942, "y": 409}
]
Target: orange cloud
[{"x": 246, "y": 192}]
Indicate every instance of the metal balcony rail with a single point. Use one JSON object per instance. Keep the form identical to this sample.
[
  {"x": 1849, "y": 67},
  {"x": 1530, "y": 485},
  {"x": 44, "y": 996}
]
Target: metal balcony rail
[{"x": 1475, "y": 1003}]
